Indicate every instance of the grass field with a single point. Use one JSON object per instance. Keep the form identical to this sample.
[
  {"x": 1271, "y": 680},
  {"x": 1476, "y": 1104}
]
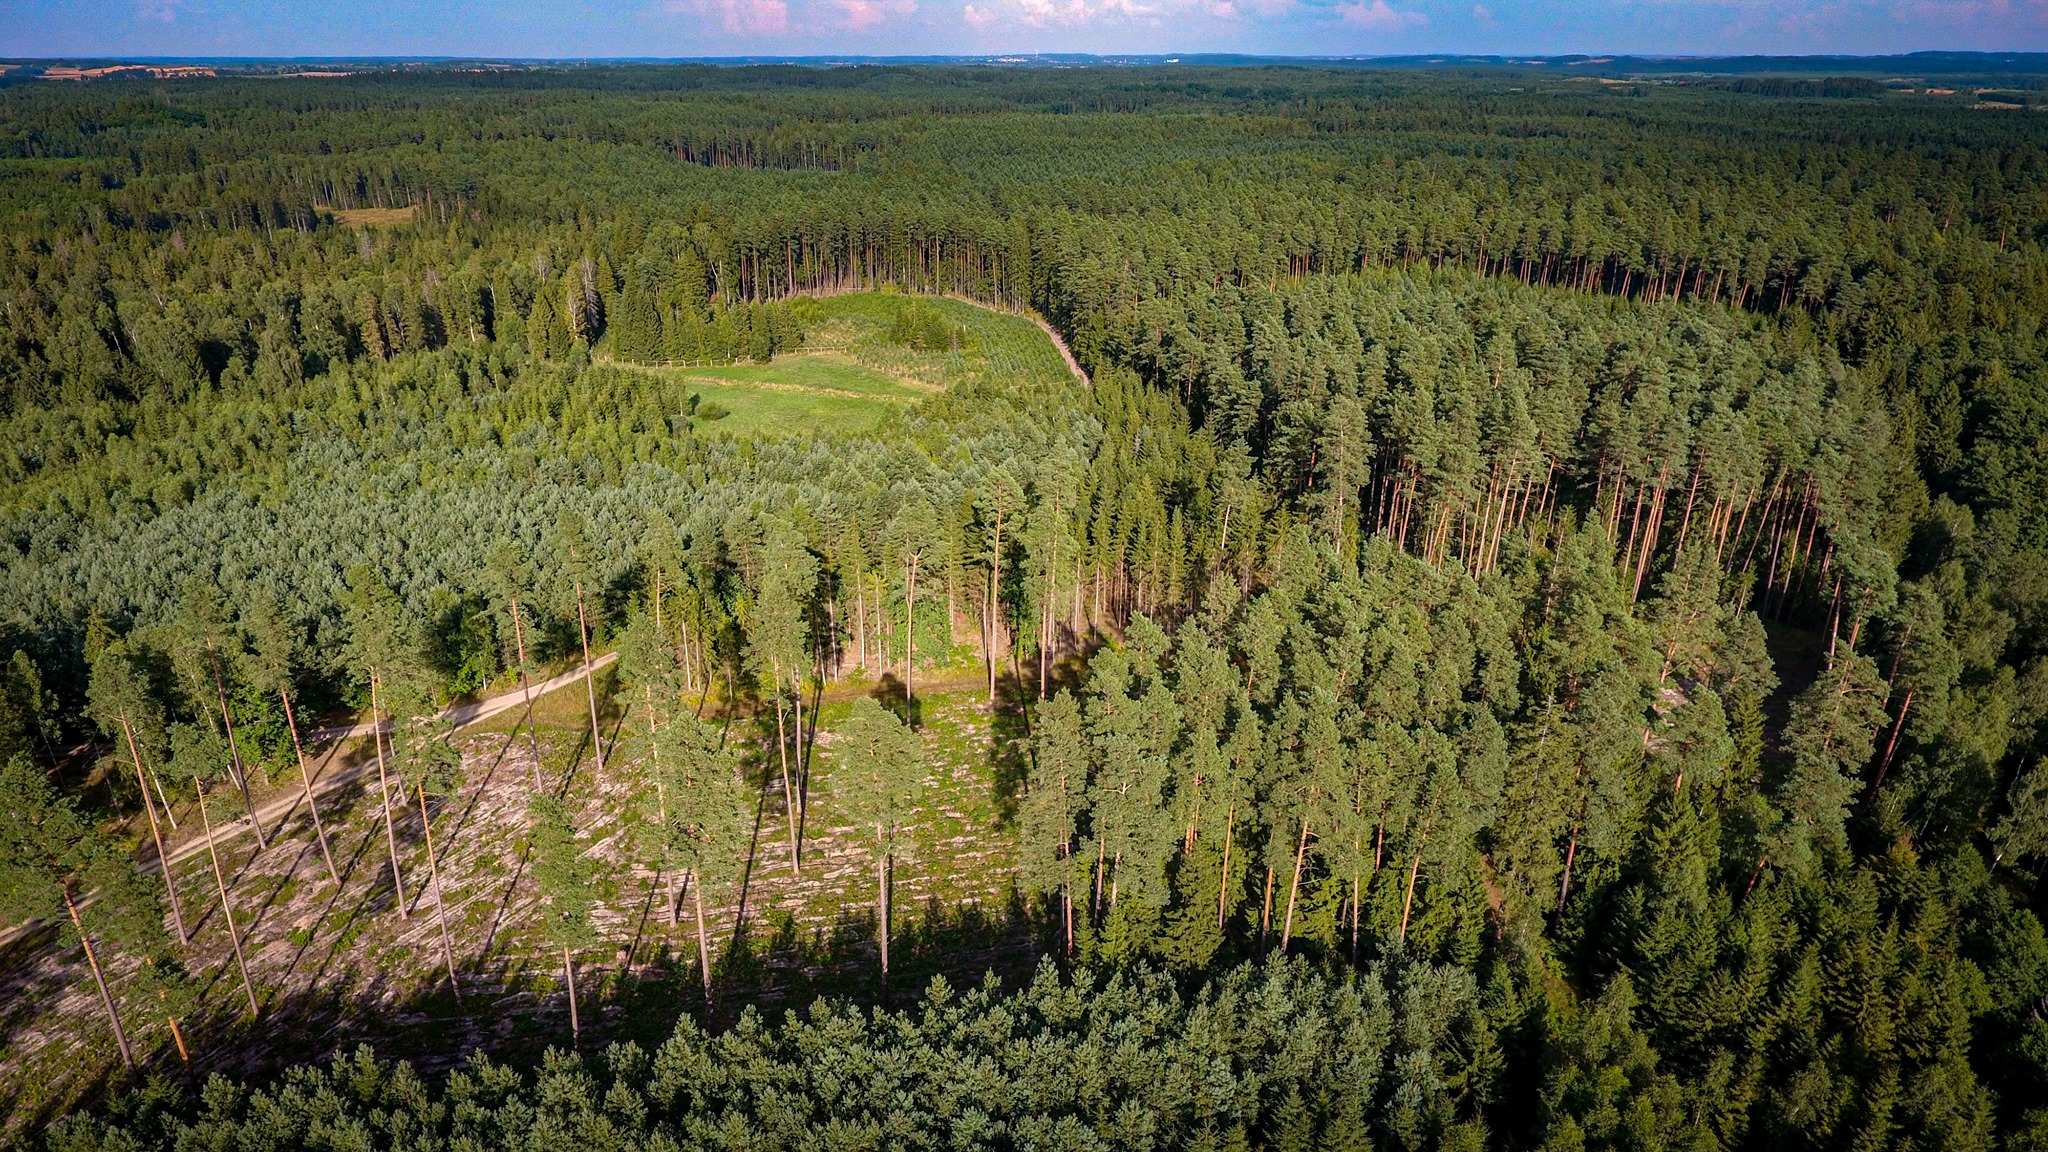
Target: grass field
[
  {"x": 803, "y": 392},
  {"x": 376, "y": 217},
  {"x": 851, "y": 374}
]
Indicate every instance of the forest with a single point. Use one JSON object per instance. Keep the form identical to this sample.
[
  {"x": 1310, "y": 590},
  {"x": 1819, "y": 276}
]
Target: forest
[{"x": 1251, "y": 607}]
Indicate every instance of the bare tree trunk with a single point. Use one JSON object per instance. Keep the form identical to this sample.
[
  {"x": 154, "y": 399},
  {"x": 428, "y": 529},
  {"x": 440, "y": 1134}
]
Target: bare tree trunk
[
  {"x": 384, "y": 794},
  {"x": 1223, "y": 880},
  {"x": 575, "y": 1021},
  {"x": 526, "y": 691},
  {"x": 909, "y": 638},
  {"x": 703, "y": 936},
  {"x": 106, "y": 998},
  {"x": 1408, "y": 902},
  {"x": 882, "y": 914},
  {"x": 1294, "y": 888},
  {"x": 434, "y": 878},
  {"x": 995, "y": 581},
  {"x": 227, "y": 909},
  {"x": 1266, "y": 910},
  {"x": 163, "y": 859},
  {"x": 1357, "y": 910},
  {"x": 235, "y": 754},
  {"x": 1892, "y": 745},
  {"x": 306, "y": 778},
  {"x": 788, "y": 794}
]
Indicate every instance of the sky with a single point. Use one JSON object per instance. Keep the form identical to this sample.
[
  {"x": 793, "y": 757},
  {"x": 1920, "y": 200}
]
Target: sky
[{"x": 669, "y": 28}]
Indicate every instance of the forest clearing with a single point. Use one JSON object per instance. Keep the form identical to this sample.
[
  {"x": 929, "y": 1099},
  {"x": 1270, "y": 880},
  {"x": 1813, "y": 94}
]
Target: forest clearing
[
  {"x": 340, "y": 962},
  {"x": 1481, "y": 605}
]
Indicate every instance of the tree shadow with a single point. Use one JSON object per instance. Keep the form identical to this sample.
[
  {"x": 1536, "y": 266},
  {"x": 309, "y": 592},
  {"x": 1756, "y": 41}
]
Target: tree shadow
[
  {"x": 1010, "y": 726},
  {"x": 890, "y": 693},
  {"x": 514, "y": 1007}
]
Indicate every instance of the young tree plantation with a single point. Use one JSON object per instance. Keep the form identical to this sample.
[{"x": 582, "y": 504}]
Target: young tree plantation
[{"x": 1172, "y": 607}]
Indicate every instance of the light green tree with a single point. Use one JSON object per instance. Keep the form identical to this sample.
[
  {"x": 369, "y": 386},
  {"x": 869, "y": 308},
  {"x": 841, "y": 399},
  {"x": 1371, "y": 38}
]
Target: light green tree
[{"x": 877, "y": 781}]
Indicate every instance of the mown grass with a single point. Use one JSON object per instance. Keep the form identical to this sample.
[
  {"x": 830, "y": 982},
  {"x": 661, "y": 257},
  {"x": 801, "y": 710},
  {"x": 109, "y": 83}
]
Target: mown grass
[
  {"x": 851, "y": 373},
  {"x": 797, "y": 393}
]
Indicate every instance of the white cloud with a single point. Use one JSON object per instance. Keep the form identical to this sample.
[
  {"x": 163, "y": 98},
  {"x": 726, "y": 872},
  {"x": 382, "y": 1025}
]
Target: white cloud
[
  {"x": 165, "y": 11},
  {"x": 749, "y": 17},
  {"x": 859, "y": 15},
  {"x": 1072, "y": 13},
  {"x": 1379, "y": 16}
]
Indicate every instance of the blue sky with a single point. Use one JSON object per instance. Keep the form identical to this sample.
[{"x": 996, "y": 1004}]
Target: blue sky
[{"x": 561, "y": 28}]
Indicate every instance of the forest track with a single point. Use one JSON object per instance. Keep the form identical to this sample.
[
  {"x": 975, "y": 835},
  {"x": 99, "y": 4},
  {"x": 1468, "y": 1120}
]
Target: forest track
[{"x": 276, "y": 812}]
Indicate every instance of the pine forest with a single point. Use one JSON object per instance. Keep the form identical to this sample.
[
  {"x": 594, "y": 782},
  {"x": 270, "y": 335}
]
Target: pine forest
[{"x": 964, "y": 607}]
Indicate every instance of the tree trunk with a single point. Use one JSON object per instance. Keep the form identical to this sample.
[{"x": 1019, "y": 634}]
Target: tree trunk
[
  {"x": 434, "y": 878},
  {"x": 703, "y": 937},
  {"x": 589, "y": 681},
  {"x": 1294, "y": 888},
  {"x": 1571, "y": 853},
  {"x": 1408, "y": 902},
  {"x": 1357, "y": 912},
  {"x": 306, "y": 778},
  {"x": 802, "y": 762},
  {"x": 1223, "y": 880},
  {"x": 995, "y": 585},
  {"x": 235, "y": 755},
  {"x": 526, "y": 691},
  {"x": 909, "y": 639},
  {"x": 1892, "y": 745},
  {"x": 882, "y": 915},
  {"x": 788, "y": 794},
  {"x": 575, "y": 1021},
  {"x": 106, "y": 998},
  {"x": 163, "y": 859},
  {"x": 384, "y": 794},
  {"x": 227, "y": 909},
  {"x": 1266, "y": 910}
]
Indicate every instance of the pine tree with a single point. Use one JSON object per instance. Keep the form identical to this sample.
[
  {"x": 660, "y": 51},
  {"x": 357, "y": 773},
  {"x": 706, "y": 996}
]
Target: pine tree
[
  {"x": 276, "y": 656},
  {"x": 43, "y": 842},
  {"x": 377, "y": 650},
  {"x": 120, "y": 701},
  {"x": 877, "y": 780},
  {"x": 779, "y": 648},
  {"x": 1054, "y": 797},
  {"x": 204, "y": 663},
  {"x": 1829, "y": 739},
  {"x": 199, "y": 754},
  {"x": 568, "y": 889}
]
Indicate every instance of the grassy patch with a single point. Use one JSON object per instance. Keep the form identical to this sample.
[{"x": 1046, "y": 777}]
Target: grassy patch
[
  {"x": 376, "y": 217},
  {"x": 855, "y": 370}
]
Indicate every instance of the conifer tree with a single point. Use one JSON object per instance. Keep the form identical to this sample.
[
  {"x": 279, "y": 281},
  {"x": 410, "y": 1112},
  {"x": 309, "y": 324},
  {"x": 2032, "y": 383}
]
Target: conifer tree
[
  {"x": 44, "y": 843},
  {"x": 1829, "y": 739},
  {"x": 910, "y": 535},
  {"x": 203, "y": 665},
  {"x": 580, "y": 554},
  {"x": 1054, "y": 797},
  {"x": 567, "y": 881},
  {"x": 698, "y": 818},
  {"x": 275, "y": 659},
  {"x": 878, "y": 779},
  {"x": 120, "y": 701},
  {"x": 779, "y": 648},
  {"x": 377, "y": 651},
  {"x": 199, "y": 754},
  {"x": 509, "y": 574}
]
